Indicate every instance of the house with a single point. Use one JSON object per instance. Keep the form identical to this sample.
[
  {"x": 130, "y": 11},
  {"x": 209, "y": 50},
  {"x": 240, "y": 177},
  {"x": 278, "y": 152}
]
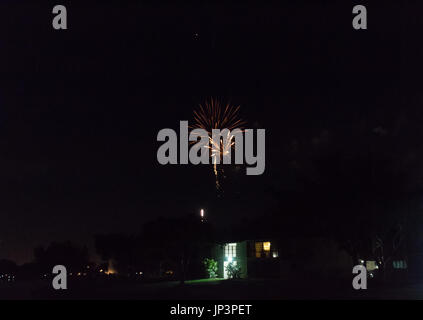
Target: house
[
  {"x": 256, "y": 258},
  {"x": 269, "y": 258}
]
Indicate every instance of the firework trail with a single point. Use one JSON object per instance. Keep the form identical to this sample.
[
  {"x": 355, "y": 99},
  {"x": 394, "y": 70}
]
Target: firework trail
[{"x": 213, "y": 115}]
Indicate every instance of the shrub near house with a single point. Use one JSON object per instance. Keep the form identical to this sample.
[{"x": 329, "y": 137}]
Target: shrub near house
[{"x": 211, "y": 267}]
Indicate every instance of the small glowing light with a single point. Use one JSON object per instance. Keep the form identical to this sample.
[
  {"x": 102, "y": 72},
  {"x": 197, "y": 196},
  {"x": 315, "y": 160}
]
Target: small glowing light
[
  {"x": 110, "y": 271},
  {"x": 275, "y": 254},
  {"x": 202, "y": 213}
]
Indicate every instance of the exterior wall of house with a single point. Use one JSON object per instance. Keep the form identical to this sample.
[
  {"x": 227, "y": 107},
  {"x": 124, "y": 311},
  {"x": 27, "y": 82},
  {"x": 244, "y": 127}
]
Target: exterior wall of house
[
  {"x": 219, "y": 256},
  {"x": 241, "y": 254},
  {"x": 261, "y": 263},
  {"x": 246, "y": 258},
  {"x": 289, "y": 258}
]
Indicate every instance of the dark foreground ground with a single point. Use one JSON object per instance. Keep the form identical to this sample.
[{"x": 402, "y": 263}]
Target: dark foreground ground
[{"x": 266, "y": 289}]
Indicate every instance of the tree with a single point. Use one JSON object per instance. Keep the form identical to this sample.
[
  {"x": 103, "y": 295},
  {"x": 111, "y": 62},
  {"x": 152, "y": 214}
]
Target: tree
[
  {"x": 177, "y": 239},
  {"x": 8, "y": 266},
  {"x": 72, "y": 256},
  {"x": 119, "y": 248}
]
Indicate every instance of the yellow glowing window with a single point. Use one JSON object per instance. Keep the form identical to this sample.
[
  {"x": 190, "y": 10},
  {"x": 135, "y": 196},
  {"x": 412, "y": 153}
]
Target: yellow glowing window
[
  {"x": 259, "y": 248},
  {"x": 266, "y": 246}
]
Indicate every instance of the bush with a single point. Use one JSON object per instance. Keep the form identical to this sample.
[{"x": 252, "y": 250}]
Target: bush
[
  {"x": 234, "y": 271},
  {"x": 211, "y": 267}
]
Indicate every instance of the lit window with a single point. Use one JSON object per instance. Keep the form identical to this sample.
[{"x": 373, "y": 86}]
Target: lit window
[
  {"x": 230, "y": 251},
  {"x": 266, "y": 246},
  {"x": 259, "y": 249}
]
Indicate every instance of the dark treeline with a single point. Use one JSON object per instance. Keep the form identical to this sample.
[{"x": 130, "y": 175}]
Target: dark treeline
[
  {"x": 360, "y": 184},
  {"x": 171, "y": 247}
]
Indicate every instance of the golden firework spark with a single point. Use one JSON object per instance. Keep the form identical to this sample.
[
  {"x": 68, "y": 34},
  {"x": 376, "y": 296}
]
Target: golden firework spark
[{"x": 213, "y": 115}]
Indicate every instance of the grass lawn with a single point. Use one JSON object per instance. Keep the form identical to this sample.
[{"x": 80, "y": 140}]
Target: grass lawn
[
  {"x": 204, "y": 281},
  {"x": 207, "y": 289}
]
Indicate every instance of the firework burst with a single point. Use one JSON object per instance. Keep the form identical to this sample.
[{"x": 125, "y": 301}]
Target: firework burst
[{"x": 214, "y": 115}]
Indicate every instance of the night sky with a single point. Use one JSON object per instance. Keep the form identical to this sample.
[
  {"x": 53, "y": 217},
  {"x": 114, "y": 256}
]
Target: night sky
[{"x": 80, "y": 109}]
